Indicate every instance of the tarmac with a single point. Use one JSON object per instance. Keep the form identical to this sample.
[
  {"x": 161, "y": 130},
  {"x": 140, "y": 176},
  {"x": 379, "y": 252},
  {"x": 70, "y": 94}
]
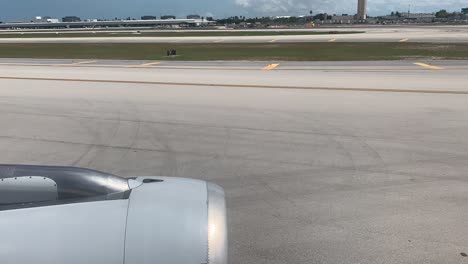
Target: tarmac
[
  {"x": 322, "y": 162},
  {"x": 432, "y": 34}
]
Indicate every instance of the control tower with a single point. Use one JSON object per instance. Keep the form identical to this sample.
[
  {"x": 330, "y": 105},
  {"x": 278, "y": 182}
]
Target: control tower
[{"x": 362, "y": 10}]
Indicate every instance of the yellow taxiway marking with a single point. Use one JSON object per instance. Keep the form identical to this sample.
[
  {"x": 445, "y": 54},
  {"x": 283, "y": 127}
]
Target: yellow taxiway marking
[
  {"x": 427, "y": 66},
  {"x": 403, "y": 40},
  {"x": 73, "y": 64},
  {"x": 273, "y": 40},
  {"x": 239, "y": 85},
  {"x": 332, "y": 40},
  {"x": 151, "y": 63},
  {"x": 83, "y": 62},
  {"x": 144, "y": 65},
  {"x": 270, "y": 67}
]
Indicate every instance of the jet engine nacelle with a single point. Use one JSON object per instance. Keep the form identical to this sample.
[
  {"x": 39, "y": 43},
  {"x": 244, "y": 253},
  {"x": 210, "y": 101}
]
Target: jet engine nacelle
[{"x": 73, "y": 215}]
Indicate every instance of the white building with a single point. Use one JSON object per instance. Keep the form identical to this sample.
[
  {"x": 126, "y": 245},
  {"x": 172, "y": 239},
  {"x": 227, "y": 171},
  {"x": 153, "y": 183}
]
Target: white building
[
  {"x": 342, "y": 19},
  {"x": 40, "y": 19},
  {"x": 419, "y": 17},
  {"x": 53, "y": 20}
]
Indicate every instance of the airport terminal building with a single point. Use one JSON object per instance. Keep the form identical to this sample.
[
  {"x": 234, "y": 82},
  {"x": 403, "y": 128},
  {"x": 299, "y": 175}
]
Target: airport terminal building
[{"x": 107, "y": 24}]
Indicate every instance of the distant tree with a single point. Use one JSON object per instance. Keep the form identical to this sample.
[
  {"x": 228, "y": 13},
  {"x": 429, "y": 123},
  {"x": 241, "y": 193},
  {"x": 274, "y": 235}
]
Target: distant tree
[
  {"x": 442, "y": 14},
  {"x": 465, "y": 10},
  {"x": 320, "y": 17},
  {"x": 392, "y": 14}
]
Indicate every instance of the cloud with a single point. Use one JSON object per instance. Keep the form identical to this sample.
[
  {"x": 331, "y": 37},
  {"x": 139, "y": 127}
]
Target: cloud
[
  {"x": 375, "y": 7},
  {"x": 26, "y": 9},
  {"x": 275, "y": 6}
]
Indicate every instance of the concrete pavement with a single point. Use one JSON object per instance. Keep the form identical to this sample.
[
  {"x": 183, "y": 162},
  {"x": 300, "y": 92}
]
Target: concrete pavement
[
  {"x": 397, "y": 75},
  {"x": 311, "y": 175},
  {"x": 442, "y": 34}
]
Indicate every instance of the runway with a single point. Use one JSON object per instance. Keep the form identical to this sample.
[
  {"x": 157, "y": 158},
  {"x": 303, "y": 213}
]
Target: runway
[
  {"x": 432, "y": 34},
  {"x": 322, "y": 162}
]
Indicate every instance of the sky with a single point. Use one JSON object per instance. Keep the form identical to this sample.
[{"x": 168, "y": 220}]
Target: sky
[{"x": 17, "y": 10}]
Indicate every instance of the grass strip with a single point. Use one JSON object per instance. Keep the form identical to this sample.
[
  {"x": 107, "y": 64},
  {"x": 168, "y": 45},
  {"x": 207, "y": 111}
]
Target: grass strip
[{"x": 224, "y": 51}]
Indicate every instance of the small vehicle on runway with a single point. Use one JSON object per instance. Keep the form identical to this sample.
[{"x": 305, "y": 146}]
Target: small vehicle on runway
[{"x": 75, "y": 216}]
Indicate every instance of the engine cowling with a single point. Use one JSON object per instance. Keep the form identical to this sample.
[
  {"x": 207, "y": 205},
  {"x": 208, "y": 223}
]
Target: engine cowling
[
  {"x": 84, "y": 216},
  {"x": 194, "y": 232}
]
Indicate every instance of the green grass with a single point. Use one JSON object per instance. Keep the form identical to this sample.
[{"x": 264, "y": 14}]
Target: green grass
[
  {"x": 257, "y": 51},
  {"x": 175, "y": 34}
]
